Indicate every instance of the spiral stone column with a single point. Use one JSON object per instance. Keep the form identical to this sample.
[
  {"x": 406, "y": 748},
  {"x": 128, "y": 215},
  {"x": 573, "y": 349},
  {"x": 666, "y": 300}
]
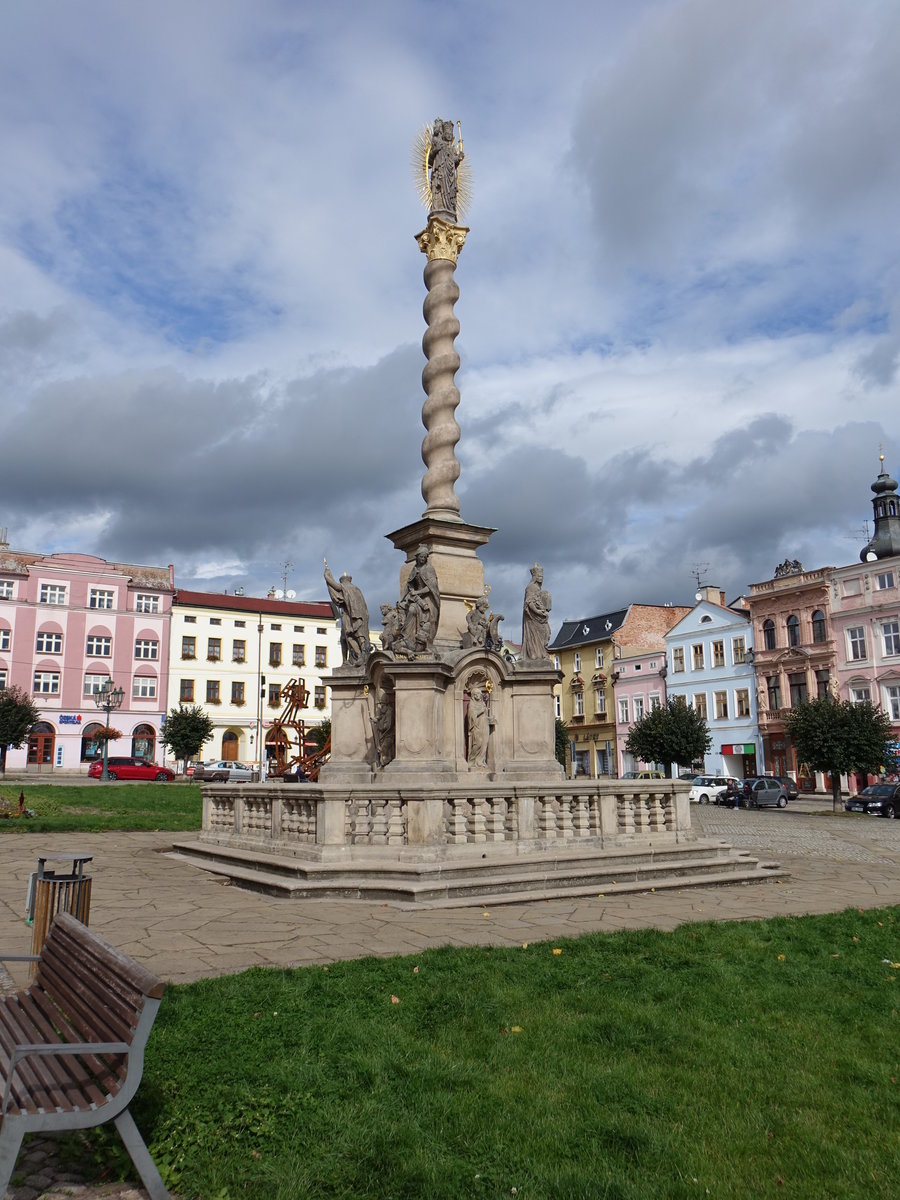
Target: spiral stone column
[{"x": 442, "y": 243}]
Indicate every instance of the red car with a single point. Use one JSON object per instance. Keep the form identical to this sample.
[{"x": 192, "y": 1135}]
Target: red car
[{"x": 131, "y": 768}]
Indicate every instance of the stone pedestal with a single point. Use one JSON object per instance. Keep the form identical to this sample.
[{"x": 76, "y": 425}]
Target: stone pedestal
[
  {"x": 423, "y": 732},
  {"x": 352, "y": 741}
]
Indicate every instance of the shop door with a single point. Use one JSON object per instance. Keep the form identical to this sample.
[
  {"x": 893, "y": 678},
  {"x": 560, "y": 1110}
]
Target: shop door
[
  {"x": 40, "y": 745},
  {"x": 229, "y": 746}
]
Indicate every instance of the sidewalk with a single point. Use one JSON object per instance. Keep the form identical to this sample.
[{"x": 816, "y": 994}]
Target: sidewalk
[{"x": 186, "y": 924}]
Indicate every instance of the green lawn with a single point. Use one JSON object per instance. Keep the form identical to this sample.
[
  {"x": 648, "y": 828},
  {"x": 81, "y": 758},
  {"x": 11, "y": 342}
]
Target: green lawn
[
  {"x": 724, "y": 1060},
  {"x": 93, "y": 807}
]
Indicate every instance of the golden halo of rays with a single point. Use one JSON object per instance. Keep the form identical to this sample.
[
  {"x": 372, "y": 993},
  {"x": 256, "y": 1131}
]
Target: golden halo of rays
[{"x": 419, "y": 161}]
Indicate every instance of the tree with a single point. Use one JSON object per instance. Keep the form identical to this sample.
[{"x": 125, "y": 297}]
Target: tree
[
  {"x": 320, "y": 733},
  {"x": 671, "y": 733},
  {"x": 562, "y": 741},
  {"x": 188, "y": 729},
  {"x": 18, "y": 713},
  {"x": 839, "y": 737}
]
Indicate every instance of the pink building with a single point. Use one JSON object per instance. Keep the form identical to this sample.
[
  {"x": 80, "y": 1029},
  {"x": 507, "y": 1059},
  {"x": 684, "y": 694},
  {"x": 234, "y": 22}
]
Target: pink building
[
  {"x": 639, "y": 687},
  {"x": 70, "y": 622}
]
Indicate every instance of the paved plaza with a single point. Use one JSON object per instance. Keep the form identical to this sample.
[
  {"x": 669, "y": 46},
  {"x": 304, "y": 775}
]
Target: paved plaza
[{"x": 185, "y": 924}]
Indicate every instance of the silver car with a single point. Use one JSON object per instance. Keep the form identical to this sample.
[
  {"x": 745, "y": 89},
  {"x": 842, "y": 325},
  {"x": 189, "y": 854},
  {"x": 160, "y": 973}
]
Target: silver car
[{"x": 221, "y": 770}]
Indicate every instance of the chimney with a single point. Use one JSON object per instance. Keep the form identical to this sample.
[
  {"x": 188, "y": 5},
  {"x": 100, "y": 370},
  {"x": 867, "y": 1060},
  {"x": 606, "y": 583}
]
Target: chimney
[
  {"x": 4, "y": 544},
  {"x": 713, "y": 594}
]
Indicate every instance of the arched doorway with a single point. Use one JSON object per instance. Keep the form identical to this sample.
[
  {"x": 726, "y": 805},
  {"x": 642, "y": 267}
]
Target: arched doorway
[
  {"x": 230, "y": 746},
  {"x": 91, "y": 748},
  {"x": 41, "y": 741},
  {"x": 143, "y": 742}
]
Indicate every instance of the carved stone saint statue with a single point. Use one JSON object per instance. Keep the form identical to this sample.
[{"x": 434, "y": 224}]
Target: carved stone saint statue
[
  {"x": 420, "y": 605},
  {"x": 477, "y": 727},
  {"x": 444, "y": 157},
  {"x": 350, "y": 608},
  {"x": 536, "y": 617},
  {"x": 477, "y": 624},
  {"x": 390, "y": 619},
  {"x": 383, "y": 729}
]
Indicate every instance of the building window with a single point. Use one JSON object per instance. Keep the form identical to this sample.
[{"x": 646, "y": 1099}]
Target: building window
[
  {"x": 884, "y": 580},
  {"x": 3, "y": 677},
  {"x": 556, "y": 661},
  {"x": 48, "y": 643},
  {"x": 214, "y": 649},
  {"x": 598, "y": 658},
  {"x": 190, "y": 620},
  {"x": 623, "y": 711},
  {"x": 276, "y": 627},
  {"x": 5, "y": 638},
  {"x": 144, "y": 687},
  {"x": 579, "y": 704},
  {"x": 638, "y": 703},
  {"x": 860, "y": 695},
  {"x": 718, "y": 654},
  {"x": 738, "y": 650},
  {"x": 893, "y": 699},
  {"x": 721, "y": 699},
  {"x": 299, "y": 628},
  {"x": 576, "y": 662},
  {"x": 823, "y": 680},
  {"x": 697, "y": 658},
  {"x": 793, "y": 630},
  {"x": 557, "y": 707},
  {"x": 53, "y": 593},
  {"x": 215, "y": 620},
  {"x": 298, "y": 658},
  {"x": 655, "y": 702},
  {"x": 274, "y": 654},
  {"x": 237, "y": 692},
  {"x": 856, "y": 640},
  {"x": 46, "y": 683},
  {"x": 99, "y": 647},
  {"x": 94, "y": 684},
  {"x": 188, "y": 647},
  {"x": 818, "y": 627},
  {"x": 890, "y": 633},
  {"x": 6, "y": 589},
  {"x": 186, "y": 691},
  {"x": 799, "y": 693},
  {"x": 146, "y": 603},
  {"x": 212, "y": 692},
  {"x": 678, "y": 658},
  {"x": 600, "y": 702},
  {"x": 320, "y": 697},
  {"x": 321, "y": 629},
  {"x": 239, "y": 650},
  {"x": 769, "y": 634},
  {"x": 773, "y": 687},
  {"x": 146, "y": 648},
  {"x": 742, "y": 702},
  {"x": 274, "y": 695},
  {"x": 240, "y": 624},
  {"x": 321, "y": 656},
  {"x": 101, "y": 598},
  {"x": 699, "y": 704}
]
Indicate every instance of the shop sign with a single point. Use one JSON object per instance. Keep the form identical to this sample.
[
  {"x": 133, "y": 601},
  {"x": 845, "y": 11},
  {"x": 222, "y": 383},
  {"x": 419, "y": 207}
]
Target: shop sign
[
  {"x": 739, "y": 748},
  {"x": 70, "y": 719}
]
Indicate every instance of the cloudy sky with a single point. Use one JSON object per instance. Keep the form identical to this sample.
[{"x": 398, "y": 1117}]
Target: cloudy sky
[{"x": 680, "y": 296}]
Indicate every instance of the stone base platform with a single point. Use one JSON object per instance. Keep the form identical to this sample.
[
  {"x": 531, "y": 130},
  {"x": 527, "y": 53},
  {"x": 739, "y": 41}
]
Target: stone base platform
[{"x": 473, "y": 878}]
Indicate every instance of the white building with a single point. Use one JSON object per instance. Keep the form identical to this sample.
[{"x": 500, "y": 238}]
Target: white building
[{"x": 232, "y": 655}]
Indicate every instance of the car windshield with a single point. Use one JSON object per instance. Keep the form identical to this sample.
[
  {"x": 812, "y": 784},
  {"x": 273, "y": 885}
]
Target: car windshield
[{"x": 878, "y": 789}]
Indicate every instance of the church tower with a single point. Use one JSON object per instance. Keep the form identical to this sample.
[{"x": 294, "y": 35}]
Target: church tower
[{"x": 886, "y": 507}]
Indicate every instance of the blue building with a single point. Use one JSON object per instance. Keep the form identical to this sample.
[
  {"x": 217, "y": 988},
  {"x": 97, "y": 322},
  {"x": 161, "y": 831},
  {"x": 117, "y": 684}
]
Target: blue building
[{"x": 709, "y": 662}]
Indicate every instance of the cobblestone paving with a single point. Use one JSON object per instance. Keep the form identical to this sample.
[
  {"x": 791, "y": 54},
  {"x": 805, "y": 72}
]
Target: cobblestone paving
[{"x": 789, "y": 835}]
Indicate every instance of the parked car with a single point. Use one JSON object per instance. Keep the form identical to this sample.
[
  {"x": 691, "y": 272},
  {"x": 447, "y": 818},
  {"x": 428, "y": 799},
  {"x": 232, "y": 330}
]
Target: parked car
[
  {"x": 221, "y": 770},
  {"x": 878, "y": 800},
  {"x": 691, "y": 775},
  {"x": 643, "y": 775},
  {"x": 765, "y": 791},
  {"x": 130, "y": 768},
  {"x": 705, "y": 788},
  {"x": 789, "y": 785}
]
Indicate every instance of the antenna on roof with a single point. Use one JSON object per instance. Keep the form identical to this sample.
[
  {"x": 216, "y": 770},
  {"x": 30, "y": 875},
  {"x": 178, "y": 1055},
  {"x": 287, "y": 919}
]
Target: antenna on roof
[
  {"x": 697, "y": 570},
  {"x": 860, "y": 533}
]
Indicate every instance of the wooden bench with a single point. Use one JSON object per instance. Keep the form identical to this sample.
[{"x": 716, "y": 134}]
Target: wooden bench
[{"x": 72, "y": 1045}]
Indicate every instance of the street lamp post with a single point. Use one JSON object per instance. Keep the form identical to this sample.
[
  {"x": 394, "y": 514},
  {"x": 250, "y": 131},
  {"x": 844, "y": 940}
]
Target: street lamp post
[{"x": 108, "y": 697}]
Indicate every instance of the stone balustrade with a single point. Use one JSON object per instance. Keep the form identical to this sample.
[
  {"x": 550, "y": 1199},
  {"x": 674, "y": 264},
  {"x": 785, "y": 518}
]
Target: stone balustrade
[{"x": 323, "y": 821}]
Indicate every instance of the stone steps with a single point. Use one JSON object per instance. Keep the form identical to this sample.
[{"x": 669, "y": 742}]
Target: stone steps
[{"x": 467, "y": 880}]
